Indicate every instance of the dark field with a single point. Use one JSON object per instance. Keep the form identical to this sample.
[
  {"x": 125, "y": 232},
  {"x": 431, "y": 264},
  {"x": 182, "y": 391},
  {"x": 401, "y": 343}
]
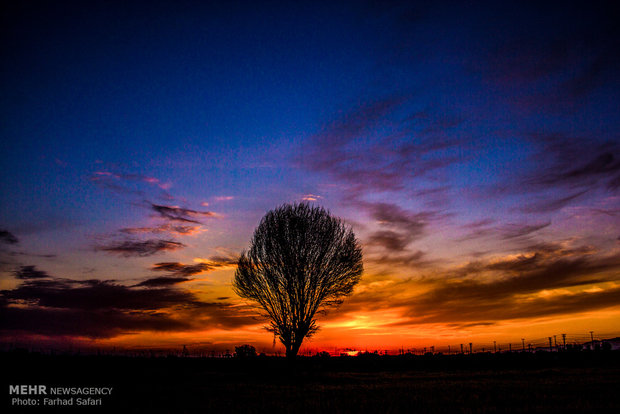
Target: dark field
[{"x": 482, "y": 383}]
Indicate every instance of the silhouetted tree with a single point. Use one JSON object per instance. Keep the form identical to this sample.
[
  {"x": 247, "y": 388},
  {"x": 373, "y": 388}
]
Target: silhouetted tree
[
  {"x": 245, "y": 351},
  {"x": 301, "y": 261}
]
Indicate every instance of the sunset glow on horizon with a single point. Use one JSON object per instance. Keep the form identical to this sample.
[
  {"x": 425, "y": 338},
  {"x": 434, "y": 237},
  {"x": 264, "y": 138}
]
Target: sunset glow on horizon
[{"x": 473, "y": 149}]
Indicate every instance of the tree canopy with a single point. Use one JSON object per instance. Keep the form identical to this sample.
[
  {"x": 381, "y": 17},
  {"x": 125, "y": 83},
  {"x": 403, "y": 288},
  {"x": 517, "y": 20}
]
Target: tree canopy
[{"x": 301, "y": 261}]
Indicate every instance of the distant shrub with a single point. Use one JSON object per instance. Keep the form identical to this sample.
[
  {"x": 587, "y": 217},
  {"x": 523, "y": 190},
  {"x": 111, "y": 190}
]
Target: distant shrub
[
  {"x": 245, "y": 351},
  {"x": 322, "y": 354}
]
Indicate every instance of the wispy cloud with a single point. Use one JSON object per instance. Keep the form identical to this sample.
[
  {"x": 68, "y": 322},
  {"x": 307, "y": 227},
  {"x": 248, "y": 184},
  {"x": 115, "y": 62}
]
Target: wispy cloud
[
  {"x": 223, "y": 198},
  {"x": 513, "y": 231},
  {"x": 224, "y": 259},
  {"x": 575, "y": 162},
  {"x": 381, "y": 146},
  {"x": 408, "y": 259},
  {"x": 179, "y": 272},
  {"x": 105, "y": 175},
  {"x": 130, "y": 184},
  {"x": 186, "y": 215},
  {"x": 129, "y": 248},
  {"x": 551, "y": 205},
  {"x": 178, "y": 230}
]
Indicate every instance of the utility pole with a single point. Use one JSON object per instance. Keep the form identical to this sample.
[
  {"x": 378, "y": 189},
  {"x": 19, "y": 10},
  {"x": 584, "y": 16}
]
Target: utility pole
[
  {"x": 461, "y": 348},
  {"x": 550, "y": 347},
  {"x": 470, "y": 349},
  {"x": 510, "y": 347},
  {"x": 555, "y": 341},
  {"x": 564, "y": 341}
]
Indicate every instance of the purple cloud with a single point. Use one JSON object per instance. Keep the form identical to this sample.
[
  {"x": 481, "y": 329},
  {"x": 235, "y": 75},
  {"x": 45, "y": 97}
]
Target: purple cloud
[{"x": 129, "y": 248}]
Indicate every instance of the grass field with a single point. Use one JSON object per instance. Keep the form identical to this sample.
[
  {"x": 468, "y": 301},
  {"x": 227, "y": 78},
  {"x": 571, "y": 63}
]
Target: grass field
[{"x": 456, "y": 384}]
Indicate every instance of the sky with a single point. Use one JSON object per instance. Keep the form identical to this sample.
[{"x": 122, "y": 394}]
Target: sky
[{"x": 473, "y": 147}]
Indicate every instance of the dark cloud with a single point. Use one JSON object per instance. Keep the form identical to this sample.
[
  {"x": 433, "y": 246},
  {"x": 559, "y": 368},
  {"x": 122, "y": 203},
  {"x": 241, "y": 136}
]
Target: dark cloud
[
  {"x": 163, "y": 281},
  {"x": 186, "y": 215},
  {"x": 603, "y": 164},
  {"x": 390, "y": 240},
  {"x": 129, "y": 248},
  {"x": 399, "y": 227},
  {"x": 91, "y": 323},
  {"x": 43, "y": 256},
  {"x": 394, "y": 216},
  {"x": 181, "y": 269},
  {"x": 30, "y": 272},
  {"x": 8, "y": 237},
  {"x": 228, "y": 259},
  {"x": 95, "y": 294},
  {"x": 179, "y": 272},
  {"x": 103, "y": 308},
  {"x": 408, "y": 259}
]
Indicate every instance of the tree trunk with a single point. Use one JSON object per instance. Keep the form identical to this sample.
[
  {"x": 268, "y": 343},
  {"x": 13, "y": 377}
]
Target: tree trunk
[
  {"x": 292, "y": 349},
  {"x": 290, "y": 354}
]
